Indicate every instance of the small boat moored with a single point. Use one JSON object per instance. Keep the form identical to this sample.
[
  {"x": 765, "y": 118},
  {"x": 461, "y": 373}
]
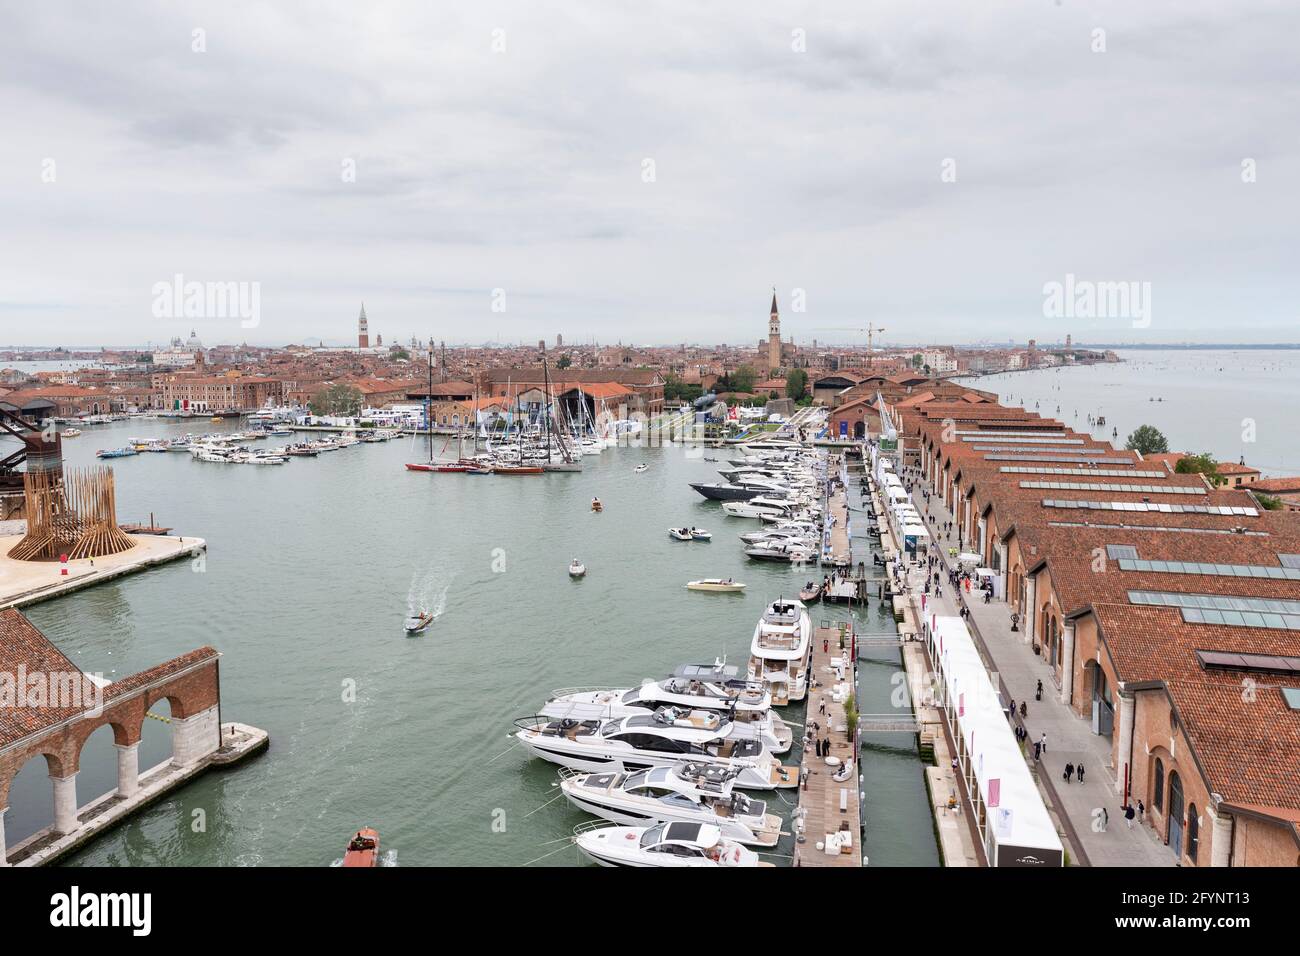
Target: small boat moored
[{"x": 811, "y": 593}]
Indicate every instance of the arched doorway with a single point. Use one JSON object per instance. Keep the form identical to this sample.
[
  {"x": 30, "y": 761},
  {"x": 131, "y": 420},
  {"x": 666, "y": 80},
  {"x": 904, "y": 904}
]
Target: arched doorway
[
  {"x": 1103, "y": 705},
  {"x": 859, "y": 429},
  {"x": 1176, "y": 814}
]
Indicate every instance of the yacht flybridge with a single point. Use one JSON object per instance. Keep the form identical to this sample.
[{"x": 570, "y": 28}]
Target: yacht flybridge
[
  {"x": 687, "y": 792},
  {"x": 658, "y": 739},
  {"x": 692, "y": 686},
  {"x": 779, "y": 654}
]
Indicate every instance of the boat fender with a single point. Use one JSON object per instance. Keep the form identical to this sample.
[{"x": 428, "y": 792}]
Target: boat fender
[{"x": 629, "y": 836}]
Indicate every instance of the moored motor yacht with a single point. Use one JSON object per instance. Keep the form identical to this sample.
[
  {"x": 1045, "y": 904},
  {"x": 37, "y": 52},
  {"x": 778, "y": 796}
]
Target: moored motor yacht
[
  {"x": 664, "y": 844},
  {"x": 691, "y": 686},
  {"x": 780, "y": 649},
  {"x": 787, "y": 551},
  {"x": 686, "y": 792},
  {"x": 655, "y": 739}
]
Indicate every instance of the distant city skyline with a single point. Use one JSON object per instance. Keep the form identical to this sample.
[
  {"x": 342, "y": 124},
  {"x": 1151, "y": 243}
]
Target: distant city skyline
[{"x": 648, "y": 175}]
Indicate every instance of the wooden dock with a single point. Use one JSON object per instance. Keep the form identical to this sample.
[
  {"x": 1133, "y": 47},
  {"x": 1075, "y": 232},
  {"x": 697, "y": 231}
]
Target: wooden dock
[
  {"x": 829, "y": 807},
  {"x": 837, "y": 516}
]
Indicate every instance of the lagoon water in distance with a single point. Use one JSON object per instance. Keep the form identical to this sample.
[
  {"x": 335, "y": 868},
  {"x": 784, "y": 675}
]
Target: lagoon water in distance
[
  {"x": 312, "y": 568},
  {"x": 1232, "y": 403}
]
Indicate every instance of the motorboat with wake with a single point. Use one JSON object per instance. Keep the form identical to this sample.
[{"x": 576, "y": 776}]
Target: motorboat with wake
[
  {"x": 686, "y": 792},
  {"x": 418, "y": 622},
  {"x": 363, "y": 849},
  {"x": 658, "y": 739},
  {"x": 577, "y": 569},
  {"x": 664, "y": 844}
]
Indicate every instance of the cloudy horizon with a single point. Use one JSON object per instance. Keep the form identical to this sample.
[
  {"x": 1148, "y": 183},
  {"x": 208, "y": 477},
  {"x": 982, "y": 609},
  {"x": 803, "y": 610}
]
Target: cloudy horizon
[{"x": 647, "y": 175}]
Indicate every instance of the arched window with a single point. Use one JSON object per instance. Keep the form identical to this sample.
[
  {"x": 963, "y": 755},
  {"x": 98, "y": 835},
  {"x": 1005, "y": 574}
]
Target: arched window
[
  {"x": 1193, "y": 832},
  {"x": 1158, "y": 793}
]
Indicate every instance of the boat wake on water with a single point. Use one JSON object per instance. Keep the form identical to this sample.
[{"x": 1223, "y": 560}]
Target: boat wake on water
[{"x": 428, "y": 593}]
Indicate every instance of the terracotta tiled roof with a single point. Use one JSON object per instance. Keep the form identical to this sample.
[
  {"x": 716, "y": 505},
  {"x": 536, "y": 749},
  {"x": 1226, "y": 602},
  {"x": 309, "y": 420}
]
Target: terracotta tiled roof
[{"x": 23, "y": 646}]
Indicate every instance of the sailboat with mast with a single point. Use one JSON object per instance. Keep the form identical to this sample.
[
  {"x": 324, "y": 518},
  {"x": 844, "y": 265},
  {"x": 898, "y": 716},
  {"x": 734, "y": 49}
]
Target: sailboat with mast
[{"x": 444, "y": 465}]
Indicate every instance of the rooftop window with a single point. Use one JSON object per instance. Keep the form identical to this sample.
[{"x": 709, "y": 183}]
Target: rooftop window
[
  {"x": 1220, "y": 570},
  {"x": 1115, "y": 487},
  {"x": 1234, "y": 661},
  {"x": 1164, "y": 507}
]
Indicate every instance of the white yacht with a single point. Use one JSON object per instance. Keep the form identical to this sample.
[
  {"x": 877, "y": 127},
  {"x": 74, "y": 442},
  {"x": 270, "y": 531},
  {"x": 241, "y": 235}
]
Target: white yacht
[
  {"x": 788, "y": 551},
  {"x": 658, "y": 739},
  {"x": 664, "y": 844},
  {"x": 779, "y": 653},
  {"x": 692, "y": 687},
  {"x": 763, "y": 505},
  {"x": 687, "y": 792}
]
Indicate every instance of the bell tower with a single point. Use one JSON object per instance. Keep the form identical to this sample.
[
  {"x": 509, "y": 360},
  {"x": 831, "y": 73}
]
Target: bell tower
[
  {"x": 774, "y": 337},
  {"x": 363, "y": 331}
]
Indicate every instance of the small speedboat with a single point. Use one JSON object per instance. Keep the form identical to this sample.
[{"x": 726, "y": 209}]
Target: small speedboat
[
  {"x": 699, "y": 534},
  {"x": 70, "y": 432},
  {"x": 727, "y": 586},
  {"x": 577, "y": 569},
  {"x": 596, "y": 505},
  {"x": 363, "y": 849},
  {"x": 680, "y": 534},
  {"x": 419, "y": 622},
  {"x": 640, "y": 468},
  {"x": 811, "y": 593}
]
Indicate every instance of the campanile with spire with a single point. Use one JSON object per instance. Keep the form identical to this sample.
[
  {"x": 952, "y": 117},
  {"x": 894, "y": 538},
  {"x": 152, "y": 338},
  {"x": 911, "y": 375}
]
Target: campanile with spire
[
  {"x": 363, "y": 330},
  {"x": 774, "y": 337}
]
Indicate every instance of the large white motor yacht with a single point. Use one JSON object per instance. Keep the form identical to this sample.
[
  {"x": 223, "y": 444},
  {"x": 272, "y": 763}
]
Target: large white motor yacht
[
  {"x": 664, "y": 844},
  {"x": 692, "y": 686},
  {"x": 659, "y": 739},
  {"x": 780, "y": 650},
  {"x": 686, "y": 792}
]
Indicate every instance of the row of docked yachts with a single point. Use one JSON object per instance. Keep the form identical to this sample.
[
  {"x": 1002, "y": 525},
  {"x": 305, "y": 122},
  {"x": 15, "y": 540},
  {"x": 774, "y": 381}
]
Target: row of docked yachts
[
  {"x": 666, "y": 762},
  {"x": 781, "y": 487}
]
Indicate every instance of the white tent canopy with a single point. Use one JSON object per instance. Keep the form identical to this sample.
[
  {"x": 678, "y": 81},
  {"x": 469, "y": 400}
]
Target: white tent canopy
[{"x": 1015, "y": 824}]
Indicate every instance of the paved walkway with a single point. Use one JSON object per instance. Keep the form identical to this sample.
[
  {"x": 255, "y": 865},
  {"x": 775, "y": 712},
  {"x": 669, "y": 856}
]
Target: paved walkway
[{"x": 1016, "y": 669}]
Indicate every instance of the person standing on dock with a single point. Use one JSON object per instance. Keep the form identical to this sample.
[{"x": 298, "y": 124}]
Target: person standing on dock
[{"x": 1042, "y": 742}]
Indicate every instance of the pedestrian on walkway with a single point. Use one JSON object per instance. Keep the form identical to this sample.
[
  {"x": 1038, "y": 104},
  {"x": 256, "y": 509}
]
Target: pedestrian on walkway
[
  {"x": 819, "y": 746},
  {"x": 1141, "y": 811},
  {"x": 1042, "y": 742},
  {"x": 1128, "y": 816},
  {"x": 1038, "y": 750},
  {"x": 1080, "y": 771},
  {"x": 1069, "y": 772},
  {"x": 1024, "y": 711},
  {"x": 1038, "y": 694}
]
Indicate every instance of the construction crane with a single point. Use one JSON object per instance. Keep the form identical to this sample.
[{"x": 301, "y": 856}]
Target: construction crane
[{"x": 871, "y": 330}]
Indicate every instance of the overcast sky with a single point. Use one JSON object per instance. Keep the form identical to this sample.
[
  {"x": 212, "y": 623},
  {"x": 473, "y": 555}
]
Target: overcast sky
[{"x": 796, "y": 145}]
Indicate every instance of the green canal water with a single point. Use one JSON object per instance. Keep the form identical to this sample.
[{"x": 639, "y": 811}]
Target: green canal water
[{"x": 312, "y": 568}]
